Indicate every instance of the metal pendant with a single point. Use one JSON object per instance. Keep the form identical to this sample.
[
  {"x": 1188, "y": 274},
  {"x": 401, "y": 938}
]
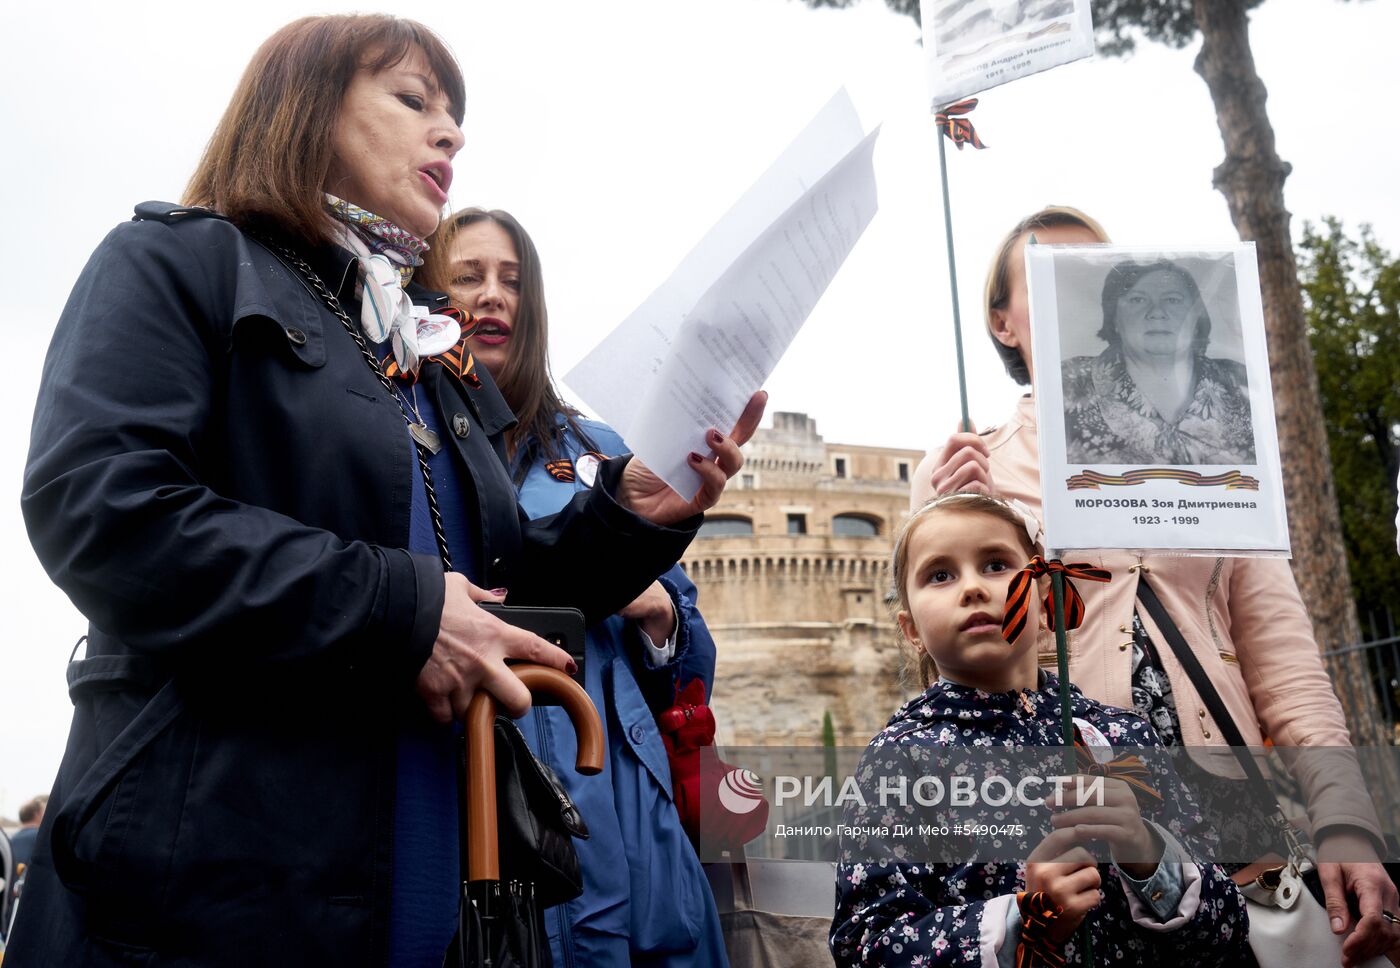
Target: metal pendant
[{"x": 426, "y": 437}]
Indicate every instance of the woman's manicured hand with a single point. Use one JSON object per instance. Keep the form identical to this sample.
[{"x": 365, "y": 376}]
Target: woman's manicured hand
[
  {"x": 471, "y": 651},
  {"x": 648, "y": 496}
]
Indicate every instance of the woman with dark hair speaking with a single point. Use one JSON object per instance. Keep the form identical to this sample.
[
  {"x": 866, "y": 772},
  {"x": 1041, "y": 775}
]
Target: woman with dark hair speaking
[
  {"x": 645, "y": 899},
  {"x": 258, "y": 471},
  {"x": 1154, "y": 396}
]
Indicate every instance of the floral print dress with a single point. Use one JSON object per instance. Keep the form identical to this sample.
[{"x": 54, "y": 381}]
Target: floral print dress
[
  {"x": 1108, "y": 421},
  {"x": 894, "y": 908}
]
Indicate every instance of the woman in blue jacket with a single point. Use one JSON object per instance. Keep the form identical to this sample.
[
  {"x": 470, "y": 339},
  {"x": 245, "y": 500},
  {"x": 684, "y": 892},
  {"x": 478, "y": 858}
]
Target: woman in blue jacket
[{"x": 645, "y": 898}]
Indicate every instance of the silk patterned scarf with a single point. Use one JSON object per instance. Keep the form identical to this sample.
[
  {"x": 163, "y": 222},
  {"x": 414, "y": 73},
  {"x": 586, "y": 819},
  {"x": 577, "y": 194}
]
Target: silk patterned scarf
[
  {"x": 387, "y": 257},
  {"x": 400, "y": 246}
]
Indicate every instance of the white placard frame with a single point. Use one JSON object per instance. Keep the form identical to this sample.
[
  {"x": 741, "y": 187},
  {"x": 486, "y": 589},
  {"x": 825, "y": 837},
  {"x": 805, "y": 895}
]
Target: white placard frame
[
  {"x": 1230, "y": 507},
  {"x": 972, "y": 46}
]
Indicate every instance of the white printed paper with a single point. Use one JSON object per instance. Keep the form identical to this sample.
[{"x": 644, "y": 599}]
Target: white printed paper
[
  {"x": 690, "y": 357},
  {"x": 975, "y": 45},
  {"x": 1153, "y": 399}
]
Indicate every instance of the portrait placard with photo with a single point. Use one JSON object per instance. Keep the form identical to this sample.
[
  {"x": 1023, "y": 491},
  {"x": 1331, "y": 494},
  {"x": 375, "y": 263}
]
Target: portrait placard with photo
[
  {"x": 1155, "y": 407},
  {"x": 974, "y": 45}
]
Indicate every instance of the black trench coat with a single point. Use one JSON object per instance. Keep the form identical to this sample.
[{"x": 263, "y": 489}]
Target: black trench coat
[{"x": 222, "y": 487}]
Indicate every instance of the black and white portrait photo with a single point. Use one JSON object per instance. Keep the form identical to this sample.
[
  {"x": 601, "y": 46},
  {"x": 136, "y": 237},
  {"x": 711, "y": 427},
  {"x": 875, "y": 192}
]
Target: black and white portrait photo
[
  {"x": 1152, "y": 366},
  {"x": 974, "y": 45},
  {"x": 967, "y": 26},
  {"x": 1153, "y": 399}
]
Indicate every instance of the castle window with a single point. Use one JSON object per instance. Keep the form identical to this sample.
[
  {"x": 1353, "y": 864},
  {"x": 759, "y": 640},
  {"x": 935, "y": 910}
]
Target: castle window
[
  {"x": 797, "y": 524},
  {"x": 903, "y": 469},
  {"x": 854, "y": 526},
  {"x": 724, "y": 526},
  {"x": 839, "y": 463}
]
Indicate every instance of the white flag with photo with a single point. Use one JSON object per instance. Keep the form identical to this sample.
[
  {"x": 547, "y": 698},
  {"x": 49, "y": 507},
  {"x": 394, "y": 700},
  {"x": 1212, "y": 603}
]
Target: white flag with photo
[{"x": 975, "y": 45}]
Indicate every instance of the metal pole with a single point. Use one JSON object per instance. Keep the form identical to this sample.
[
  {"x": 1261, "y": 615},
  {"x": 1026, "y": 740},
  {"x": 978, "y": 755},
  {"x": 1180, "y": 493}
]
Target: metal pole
[
  {"x": 1057, "y": 586},
  {"x": 953, "y": 278}
]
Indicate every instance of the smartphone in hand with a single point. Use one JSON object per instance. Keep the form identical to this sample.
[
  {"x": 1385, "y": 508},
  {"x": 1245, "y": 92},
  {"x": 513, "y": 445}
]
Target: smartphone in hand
[{"x": 563, "y": 627}]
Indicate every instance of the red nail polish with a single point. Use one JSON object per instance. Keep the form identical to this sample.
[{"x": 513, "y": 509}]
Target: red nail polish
[
  {"x": 695, "y": 458},
  {"x": 716, "y": 438},
  {"x": 500, "y": 591},
  {"x": 572, "y": 667}
]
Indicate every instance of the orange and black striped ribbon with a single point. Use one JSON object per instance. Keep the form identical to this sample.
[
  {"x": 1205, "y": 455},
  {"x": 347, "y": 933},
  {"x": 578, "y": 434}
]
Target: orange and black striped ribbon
[
  {"x": 1129, "y": 767},
  {"x": 958, "y": 129},
  {"x": 1230, "y": 480},
  {"x": 1037, "y": 949},
  {"x": 458, "y": 359},
  {"x": 561, "y": 470},
  {"x": 1018, "y": 597}
]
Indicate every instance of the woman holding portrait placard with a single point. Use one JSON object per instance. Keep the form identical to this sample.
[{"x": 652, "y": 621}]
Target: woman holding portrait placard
[{"x": 1242, "y": 619}]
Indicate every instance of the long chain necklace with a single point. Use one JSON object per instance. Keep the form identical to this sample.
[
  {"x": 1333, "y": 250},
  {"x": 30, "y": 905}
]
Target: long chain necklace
[
  {"x": 318, "y": 287},
  {"x": 418, "y": 427}
]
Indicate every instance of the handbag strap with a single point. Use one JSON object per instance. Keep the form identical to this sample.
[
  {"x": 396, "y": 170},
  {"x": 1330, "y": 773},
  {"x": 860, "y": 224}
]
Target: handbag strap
[
  {"x": 314, "y": 282},
  {"x": 1197, "y": 674},
  {"x": 1214, "y": 704}
]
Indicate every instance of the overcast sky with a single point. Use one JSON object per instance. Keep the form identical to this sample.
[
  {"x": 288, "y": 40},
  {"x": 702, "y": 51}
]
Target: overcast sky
[{"x": 617, "y": 131}]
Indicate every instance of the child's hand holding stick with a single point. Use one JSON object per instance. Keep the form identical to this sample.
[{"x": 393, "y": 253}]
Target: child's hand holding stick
[
  {"x": 1067, "y": 874},
  {"x": 1114, "y": 819}
]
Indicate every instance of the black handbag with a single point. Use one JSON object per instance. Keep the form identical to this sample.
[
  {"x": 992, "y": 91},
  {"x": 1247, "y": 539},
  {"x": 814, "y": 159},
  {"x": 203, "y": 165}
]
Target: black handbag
[{"x": 537, "y": 821}]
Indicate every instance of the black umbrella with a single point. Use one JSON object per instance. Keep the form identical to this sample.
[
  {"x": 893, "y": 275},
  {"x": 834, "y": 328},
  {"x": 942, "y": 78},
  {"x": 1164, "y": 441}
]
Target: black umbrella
[{"x": 516, "y": 809}]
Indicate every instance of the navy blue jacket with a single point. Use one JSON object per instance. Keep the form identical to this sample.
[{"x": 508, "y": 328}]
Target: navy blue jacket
[{"x": 219, "y": 482}]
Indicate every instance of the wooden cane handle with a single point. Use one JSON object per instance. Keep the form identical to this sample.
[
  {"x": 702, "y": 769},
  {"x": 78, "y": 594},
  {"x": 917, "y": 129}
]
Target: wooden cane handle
[
  {"x": 548, "y": 681},
  {"x": 483, "y": 844}
]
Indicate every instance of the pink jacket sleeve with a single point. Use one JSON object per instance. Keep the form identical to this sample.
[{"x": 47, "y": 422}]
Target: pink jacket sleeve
[{"x": 1292, "y": 693}]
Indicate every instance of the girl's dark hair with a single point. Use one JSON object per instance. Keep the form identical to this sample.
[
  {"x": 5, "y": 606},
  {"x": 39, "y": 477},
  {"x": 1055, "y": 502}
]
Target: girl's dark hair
[
  {"x": 525, "y": 380},
  {"x": 997, "y": 293},
  {"x": 1124, "y": 275},
  {"x": 269, "y": 156}
]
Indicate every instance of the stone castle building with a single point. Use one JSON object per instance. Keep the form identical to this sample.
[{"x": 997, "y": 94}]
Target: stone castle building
[{"x": 792, "y": 567}]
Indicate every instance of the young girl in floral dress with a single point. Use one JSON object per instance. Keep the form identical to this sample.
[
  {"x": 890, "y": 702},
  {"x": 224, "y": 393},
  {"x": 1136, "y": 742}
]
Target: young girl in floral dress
[{"x": 955, "y": 562}]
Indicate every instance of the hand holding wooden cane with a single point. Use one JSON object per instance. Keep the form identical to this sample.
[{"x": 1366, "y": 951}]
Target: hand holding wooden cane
[{"x": 483, "y": 848}]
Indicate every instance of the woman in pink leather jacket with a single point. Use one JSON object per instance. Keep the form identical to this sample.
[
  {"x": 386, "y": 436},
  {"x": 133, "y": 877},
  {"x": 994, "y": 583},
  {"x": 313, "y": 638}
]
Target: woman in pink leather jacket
[{"x": 1242, "y": 617}]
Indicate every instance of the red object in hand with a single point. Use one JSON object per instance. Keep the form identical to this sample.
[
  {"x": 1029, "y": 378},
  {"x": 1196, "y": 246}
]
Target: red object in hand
[{"x": 697, "y": 774}]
